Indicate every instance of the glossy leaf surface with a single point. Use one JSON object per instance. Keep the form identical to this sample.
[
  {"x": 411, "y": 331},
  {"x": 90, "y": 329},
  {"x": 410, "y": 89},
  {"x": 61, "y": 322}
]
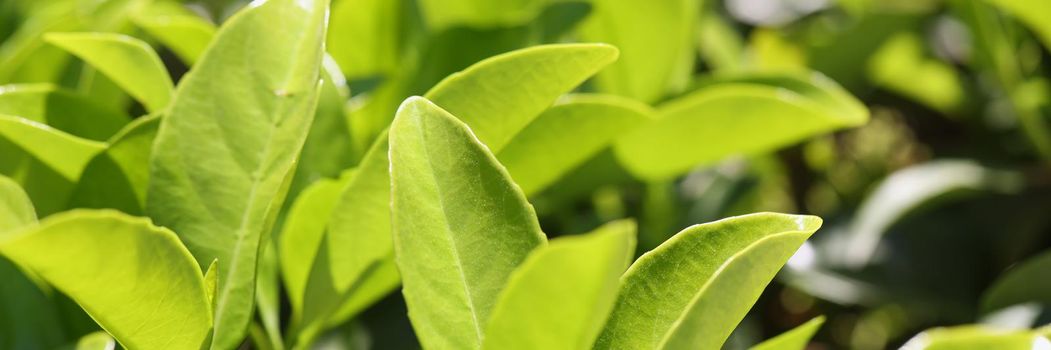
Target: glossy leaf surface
[{"x": 127, "y": 61}]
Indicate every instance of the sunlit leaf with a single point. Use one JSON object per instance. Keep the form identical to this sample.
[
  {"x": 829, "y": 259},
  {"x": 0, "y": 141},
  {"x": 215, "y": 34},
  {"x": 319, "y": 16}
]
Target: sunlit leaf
[
  {"x": 118, "y": 176},
  {"x": 65, "y": 153},
  {"x": 460, "y": 225},
  {"x": 795, "y": 339},
  {"x": 975, "y": 338},
  {"x": 692, "y": 290},
  {"x": 186, "y": 34},
  {"x": 63, "y": 110}
]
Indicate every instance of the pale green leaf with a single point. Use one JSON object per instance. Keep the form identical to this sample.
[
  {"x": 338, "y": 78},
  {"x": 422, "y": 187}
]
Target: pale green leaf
[
  {"x": 655, "y": 39},
  {"x": 225, "y": 152},
  {"x": 692, "y": 290},
  {"x": 185, "y": 33},
  {"x": 561, "y": 295},
  {"x": 566, "y": 135},
  {"x": 499, "y": 96},
  {"x": 65, "y": 153},
  {"x": 128, "y": 62},
  {"x": 1026, "y": 282},
  {"x": 365, "y": 36},
  {"x": 741, "y": 116},
  {"x": 96, "y": 341},
  {"x": 135, "y": 279},
  {"x": 795, "y": 339},
  {"x": 15, "y": 208},
  {"x": 117, "y": 177},
  {"x": 62, "y": 110},
  {"x": 971, "y": 337},
  {"x": 900, "y": 65},
  {"x": 1031, "y": 12},
  {"x": 460, "y": 225}
]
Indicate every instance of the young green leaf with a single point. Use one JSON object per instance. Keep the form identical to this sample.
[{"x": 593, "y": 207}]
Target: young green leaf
[
  {"x": 566, "y": 135},
  {"x": 745, "y": 116},
  {"x": 561, "y": 295},
  {"x": 179, "y": 29},
  {"x": 129, "y": 62},
  {"x": 135, "y": 279},
  {"x": 1024, "y": 283},
  {"x": 62, "y": 110},
  {"x": 15, "y": 208},
  {"x": 692, "y": 290},
  {"x": 96, "y": 341},
  {"x": 656, "y": 42},
  {"x": 441, "y": 14},
  {"x": 972, "y": 337},
  {"x": 365, "y": 36},
  {"x": 65, "y": 153},
  {"x": 795, "y": 339},
  {"x": 225, "y": 152},
  {"x": 117, "y": 177},
  {"x": 499, "y": 96},
  {"x": 460, "y": 225}
]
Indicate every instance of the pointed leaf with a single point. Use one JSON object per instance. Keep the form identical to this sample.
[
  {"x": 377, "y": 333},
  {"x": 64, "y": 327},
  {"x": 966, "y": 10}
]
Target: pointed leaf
[
  {"x": 62, "y": 110},
  {"x": 65, "y": 153},
  {"x": 795, "y": 339},
  {"x": 745, "y": 116},
  {"x": 135, "y": 279},
  {"x": 692, "y": 290},
  {"x": 499, "y": 96},
  {"x": 561, "y": 295},
  {"x": 129, "y": 62},
  {"x": 224, "y": 153},
  {"x": 460, "y": 225},
  {"x": 179, "y": 29},
  {"x": 117, "y": 177},
  {"x": 566, "y": 135}
]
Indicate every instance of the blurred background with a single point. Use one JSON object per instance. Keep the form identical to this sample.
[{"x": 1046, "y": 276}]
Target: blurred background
[{"x": 928, "y": 208}]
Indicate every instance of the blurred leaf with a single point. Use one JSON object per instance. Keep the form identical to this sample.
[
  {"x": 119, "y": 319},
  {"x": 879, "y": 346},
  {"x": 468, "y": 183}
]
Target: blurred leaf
[
  {"x": 129, "y": 62},
  {"x": 975, "y": 338},
  {"x": 566, "y": 135},
  {"x": 225, "y": 153},
  {"x": 747, "y": 115},
  {"x": 1026, "y": 282},
  {"x": 1032, "y": 13},
  {"x": 460, "y": 225},
  {"x": 440, "y": 14},
  {"x": 24, "y": 56},
  {"x": 96, "y": 341},
  {"x": 135, "y": 279},
  {"x": 65, "y": 153},
  {"x": 183, "y": 32},
  {"x": 561, "y": 295},
  {"x": 901, "y": 66},
  {"x": 719, "y": 43},
  {"x": 328, "y": 149},
  {"x": 17, "y": 210},
  {"x": 365, "y": 36},
  {"x": 795, "y": 339},
  {"x": 655, "y": 41},
  {"x": 61, "y": 109},
  {"x": 665, "y": 303},
  {"x": 771, "y": 51},
  {"x": 501, "y": 95},
  {"x": 906, "y": 190},
  {"x": 267, "y": 293}
]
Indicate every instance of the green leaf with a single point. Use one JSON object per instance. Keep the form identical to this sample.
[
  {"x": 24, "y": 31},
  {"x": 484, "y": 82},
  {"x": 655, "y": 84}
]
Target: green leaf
[
  {"x": 96, "y": 341},
  {"x": 746, "y": 115},
  {"x": 129, "y": 62},
  {"x": 118, "y": 177},
  {"x": 692, "y": 290},
  {"x": 328, "y": 149},
  {"x": 561, "y": 295},
  {"x": 499, "y": 96},
  {"x": 900, "y": 65},
  {"x": 566, "y": 135},
  {"x": 656, "y": 44},
  {"x": 135, "y": 279},
  {"x": 1030, "y": 12},
  {"x": 62, "y": 110},
  {"x": 440, "y": 14},
  {"x": 460, "y": 225},
  {"x": 179, "y": 29},
  {"x": 908, "y": 189},
  {"x": 17, "y": 210},
  {"x": 365, "y": 37},
  {"x": 795, "y": 339},
  {"x": 65, "y": 153},
  {"x": 225, "y": 153},
  {"x": 972, "y": 337},
  {"x": 1026, "y": 282}
]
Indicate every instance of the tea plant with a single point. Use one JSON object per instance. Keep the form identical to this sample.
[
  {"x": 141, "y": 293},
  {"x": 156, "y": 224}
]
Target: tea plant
[{"x": 253, "y": 201}]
